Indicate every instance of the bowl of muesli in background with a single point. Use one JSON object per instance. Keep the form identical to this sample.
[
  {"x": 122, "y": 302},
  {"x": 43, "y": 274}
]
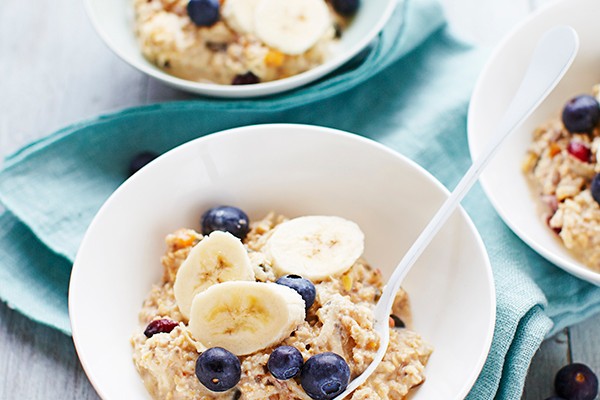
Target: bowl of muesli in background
[
  {"x": 237, "y": 249},
  {"x": 238, "y": 48},
  {"x": 541, "y": 180}
]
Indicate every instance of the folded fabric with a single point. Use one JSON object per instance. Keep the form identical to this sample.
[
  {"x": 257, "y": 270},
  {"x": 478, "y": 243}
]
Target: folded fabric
[{"x": 417, "y": 106}]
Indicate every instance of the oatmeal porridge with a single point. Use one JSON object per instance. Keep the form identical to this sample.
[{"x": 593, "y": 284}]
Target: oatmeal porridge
[
  {"x": 240, "y": 41},
  {"x": 562, "y": 166},
  {"x": 273, "y": 311}
]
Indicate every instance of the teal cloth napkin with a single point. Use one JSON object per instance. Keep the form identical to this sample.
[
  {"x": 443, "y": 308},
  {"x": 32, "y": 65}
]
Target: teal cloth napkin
[{"x": 410, "y": 92}]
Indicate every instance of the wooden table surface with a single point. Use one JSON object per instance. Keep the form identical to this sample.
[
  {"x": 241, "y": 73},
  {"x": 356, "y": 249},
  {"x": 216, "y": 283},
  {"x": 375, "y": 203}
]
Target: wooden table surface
[{"x": 54, "y": 70}]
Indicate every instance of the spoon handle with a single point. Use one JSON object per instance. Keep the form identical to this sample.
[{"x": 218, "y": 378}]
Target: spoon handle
[{"x": 551, "y": 58}]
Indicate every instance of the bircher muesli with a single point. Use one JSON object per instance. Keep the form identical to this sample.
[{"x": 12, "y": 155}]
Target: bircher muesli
[
  {"x": 276, "y": 309},
  {"x": 562, "y": 165},
  {"x": 235, "y": 42}
]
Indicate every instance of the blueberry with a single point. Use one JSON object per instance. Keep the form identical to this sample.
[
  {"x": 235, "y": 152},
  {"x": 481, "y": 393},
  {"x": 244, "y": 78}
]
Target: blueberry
[
  {"x": 245, "y": 79},
  {"x": 218, "y": 369},
  {"x": 285, "y": 362},
  {"x": 581, "y": 114},
  {"x": 225, "y": 218},
  {"x": 346, "y": 8},
  {"x": 164, "y": 325},
  {"x": 304, "y": 287},
  {"x": 595, "y": 188},
  {"x": 576, "y": 382},
  {"x": 140, "y": 160},
  {"x": 324, "y": 376},
  {"x": 203, "y": 12},
  {"x": 398, "y": 323}
]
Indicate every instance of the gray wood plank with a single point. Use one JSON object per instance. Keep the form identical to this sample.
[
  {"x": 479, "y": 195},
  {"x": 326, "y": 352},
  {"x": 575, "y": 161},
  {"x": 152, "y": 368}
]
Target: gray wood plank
[
  {"x": 585, "y": 343},
  {"x": 38, "y": 362},
  {"x": 55, "y": 70},
  {"x": 552, "y": 355}
]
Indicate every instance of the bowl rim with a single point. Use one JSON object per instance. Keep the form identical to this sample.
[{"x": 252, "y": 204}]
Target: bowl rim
[
  {"x": 244, "y": 91},
  {"x": 339, "y": 134},
  {"x": 568, "y": 264}
]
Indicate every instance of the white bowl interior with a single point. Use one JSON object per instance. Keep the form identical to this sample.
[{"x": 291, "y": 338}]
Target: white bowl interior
[
  {"x": 502, "y": 180},
  {"x": 113, "y": 20},
  {"x": 295, "y": 170}
]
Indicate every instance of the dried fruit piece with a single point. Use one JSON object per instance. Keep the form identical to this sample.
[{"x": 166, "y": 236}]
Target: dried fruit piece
[
  {"x": 164, "y": 325},
  {"x": 579, "y": 150}
]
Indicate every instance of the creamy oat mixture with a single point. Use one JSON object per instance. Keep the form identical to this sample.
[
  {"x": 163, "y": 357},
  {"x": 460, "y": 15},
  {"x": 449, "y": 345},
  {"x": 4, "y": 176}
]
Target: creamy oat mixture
[
  {"x": 243, "y": 45},
  {"x": 340, "y": 321},
  {"x": 561, "y": 165}
]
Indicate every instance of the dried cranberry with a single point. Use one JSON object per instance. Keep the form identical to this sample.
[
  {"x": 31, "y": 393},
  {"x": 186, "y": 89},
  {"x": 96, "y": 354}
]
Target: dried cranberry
[
  {"x": 245, "y": 79},
  {"x": 551, "y": 201},
  {"x": 164, "y": 325},
  {"x": 556, "y": 230},
  {"x": 579, "y": 150}
]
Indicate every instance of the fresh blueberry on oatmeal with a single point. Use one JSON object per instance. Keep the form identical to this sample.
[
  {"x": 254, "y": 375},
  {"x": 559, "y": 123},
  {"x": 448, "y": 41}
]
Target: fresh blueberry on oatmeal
[
  {"x": 398, "y": 323},
  {"x": 576, "y": 382},
  {"x": 218, "y": 369},
  {"x": 285, "y": 362},
  {"x": 325, "y": 375},
  {"x": 581, "y": 114},
  {"x": 595, "y": 188},
  {"x": 304, "y": 287},
  {"x": 203, "y": 12},
  {"x": 227, "y": 219},
  {"x": 347, "y": 8},
  {"x": 245, "y": 79}
]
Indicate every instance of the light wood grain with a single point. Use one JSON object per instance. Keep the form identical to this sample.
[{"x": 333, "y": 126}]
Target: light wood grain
[
  {"x": 38, "y": 362},
  {"x": 55, "y": 70},
  {"x": 585, "y": 343},
  {"x": 553, "y": 354}
]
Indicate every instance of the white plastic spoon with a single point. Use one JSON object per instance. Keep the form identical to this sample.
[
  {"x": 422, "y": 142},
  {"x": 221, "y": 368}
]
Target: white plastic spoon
[{"x": 551, "y": 58}]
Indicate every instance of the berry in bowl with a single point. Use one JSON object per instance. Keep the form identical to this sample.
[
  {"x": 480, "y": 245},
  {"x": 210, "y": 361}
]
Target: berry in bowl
[
  {"x": 286, "y": 294},
  {"x": 238, "y": 48}
]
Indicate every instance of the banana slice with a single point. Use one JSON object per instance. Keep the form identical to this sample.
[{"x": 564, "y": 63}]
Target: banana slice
[
  {"x": 244, "y": 317},
  {"x": 218, "y": 257},
  {"x": 315, "y": 247},
  {"x": 239, "y": 15},
  {"x": 291, "y": 26}
]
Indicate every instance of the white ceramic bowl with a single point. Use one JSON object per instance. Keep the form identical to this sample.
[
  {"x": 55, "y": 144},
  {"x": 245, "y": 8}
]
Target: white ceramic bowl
[
  {"x": 295, "y": 170},
  {"x": 113, "y": 20},
  {"x": 502, "y": 180}
]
